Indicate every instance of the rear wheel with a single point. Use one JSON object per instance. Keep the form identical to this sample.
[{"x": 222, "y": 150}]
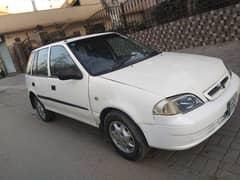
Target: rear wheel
[
  {"x": 125, "y": 136},
  {"x": 44, "y": 114}
]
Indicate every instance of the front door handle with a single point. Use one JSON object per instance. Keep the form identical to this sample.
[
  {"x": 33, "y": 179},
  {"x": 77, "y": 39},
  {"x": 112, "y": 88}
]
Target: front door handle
[{"x": 53, "y": 87}]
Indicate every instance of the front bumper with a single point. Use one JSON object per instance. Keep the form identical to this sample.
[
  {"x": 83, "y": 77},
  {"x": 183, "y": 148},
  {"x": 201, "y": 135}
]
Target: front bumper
[{"x": 185, "y": 131}]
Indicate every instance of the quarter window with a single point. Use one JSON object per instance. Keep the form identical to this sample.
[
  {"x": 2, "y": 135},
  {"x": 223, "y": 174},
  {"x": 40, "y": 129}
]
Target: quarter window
[{"x": 60, "y": 61}]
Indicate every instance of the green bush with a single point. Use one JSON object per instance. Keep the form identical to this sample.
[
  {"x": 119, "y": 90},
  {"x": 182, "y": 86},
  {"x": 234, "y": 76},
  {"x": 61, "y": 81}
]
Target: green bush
[
  {"x": 170, "y": 10},
  {"x": 136, "y": 26},
  {"x": 208, "y": 5}
]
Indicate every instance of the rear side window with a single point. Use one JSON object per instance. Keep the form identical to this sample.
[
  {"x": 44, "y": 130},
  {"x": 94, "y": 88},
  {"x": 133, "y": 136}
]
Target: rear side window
[
  {"x": 60, "y": 61},
  {"x": 29, "y": 65},
  {"x": 42, "y": 59}
]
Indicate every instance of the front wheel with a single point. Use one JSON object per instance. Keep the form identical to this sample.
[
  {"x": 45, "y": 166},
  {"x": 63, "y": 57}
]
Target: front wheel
[
  {"x": 125, "y": 136},
  {"x": 44, "y": 114}
]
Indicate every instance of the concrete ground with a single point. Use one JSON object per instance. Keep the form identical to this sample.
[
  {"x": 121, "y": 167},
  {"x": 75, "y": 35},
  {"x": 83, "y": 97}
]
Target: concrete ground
[{"x": 69, "y": 150}]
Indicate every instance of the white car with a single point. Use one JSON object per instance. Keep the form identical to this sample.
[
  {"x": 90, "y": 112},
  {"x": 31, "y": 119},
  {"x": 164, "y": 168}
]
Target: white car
[{"x": 140, "y": 98}]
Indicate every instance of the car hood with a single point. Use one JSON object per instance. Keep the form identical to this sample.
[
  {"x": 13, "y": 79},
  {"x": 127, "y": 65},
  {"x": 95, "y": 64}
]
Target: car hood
[{"x": 170, "y": 74}]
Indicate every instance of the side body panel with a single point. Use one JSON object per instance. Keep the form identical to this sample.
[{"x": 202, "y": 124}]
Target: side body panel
[{"x": 135, "y": 102}]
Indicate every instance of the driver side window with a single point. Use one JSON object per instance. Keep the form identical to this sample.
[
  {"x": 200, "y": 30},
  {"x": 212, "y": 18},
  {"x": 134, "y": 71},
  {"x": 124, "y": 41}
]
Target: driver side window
[{"x": 61, "y": 62}]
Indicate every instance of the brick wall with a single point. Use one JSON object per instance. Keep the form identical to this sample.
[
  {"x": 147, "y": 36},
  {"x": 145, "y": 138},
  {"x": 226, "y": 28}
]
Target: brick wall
[{"x": 204, "y": 29}]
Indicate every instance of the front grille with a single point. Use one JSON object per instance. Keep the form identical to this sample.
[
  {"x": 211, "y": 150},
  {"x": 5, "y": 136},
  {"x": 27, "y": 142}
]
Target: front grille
[
  {"x": 215, "y": 89},
  {"x": 218, "y": 87},
  {"x": 224, "y": 81}
]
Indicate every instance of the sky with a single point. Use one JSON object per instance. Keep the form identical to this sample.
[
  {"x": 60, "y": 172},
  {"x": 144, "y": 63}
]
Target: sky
[{"x": 18, "y": 6}]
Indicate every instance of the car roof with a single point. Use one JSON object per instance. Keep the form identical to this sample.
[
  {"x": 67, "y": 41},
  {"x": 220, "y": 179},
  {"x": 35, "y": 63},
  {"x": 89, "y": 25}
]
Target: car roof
[{"x": 74, "y": 39}]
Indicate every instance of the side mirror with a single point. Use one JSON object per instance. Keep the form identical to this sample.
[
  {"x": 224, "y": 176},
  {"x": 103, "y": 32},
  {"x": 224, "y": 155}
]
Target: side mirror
[{"x": 69, "y": 75}]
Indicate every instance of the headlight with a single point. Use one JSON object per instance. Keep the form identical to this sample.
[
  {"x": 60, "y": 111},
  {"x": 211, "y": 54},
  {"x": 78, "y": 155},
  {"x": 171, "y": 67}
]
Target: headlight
[{"x": 177, "y": 104}]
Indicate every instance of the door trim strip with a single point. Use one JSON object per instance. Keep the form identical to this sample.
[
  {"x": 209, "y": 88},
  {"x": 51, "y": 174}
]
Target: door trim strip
[{"x": 62, "y": 102}]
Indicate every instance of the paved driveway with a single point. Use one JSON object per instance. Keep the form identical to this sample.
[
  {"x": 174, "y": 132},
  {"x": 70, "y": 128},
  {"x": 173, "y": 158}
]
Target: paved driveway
[{"x": 66, "y": 149}]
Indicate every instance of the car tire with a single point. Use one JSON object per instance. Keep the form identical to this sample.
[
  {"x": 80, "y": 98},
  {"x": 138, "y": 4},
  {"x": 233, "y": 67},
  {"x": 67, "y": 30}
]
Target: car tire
[
  {"x": 125, "y": 136},
  {"x": 44, "y": 114}
]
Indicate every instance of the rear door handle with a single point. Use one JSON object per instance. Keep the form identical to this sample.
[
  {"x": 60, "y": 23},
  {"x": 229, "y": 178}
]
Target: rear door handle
[
  {"x": 53, "y": 87},
  {"x": 33, "y": 84}
]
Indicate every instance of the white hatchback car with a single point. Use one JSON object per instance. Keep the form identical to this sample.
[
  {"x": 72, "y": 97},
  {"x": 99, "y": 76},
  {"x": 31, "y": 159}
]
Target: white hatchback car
[{"x": 139, "y": 97}]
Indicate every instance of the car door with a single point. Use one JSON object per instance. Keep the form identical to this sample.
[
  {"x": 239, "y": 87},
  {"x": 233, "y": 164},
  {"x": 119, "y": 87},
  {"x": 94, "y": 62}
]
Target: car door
[
  {"x": 68, "y": 97},
  {"x": 39, "y": 79}
]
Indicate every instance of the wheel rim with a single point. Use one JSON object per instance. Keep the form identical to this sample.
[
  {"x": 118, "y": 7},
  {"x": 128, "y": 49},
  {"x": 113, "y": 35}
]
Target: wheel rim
[
  {"x": 40, "y": 109},
  {"x": 122, "y": 137}
]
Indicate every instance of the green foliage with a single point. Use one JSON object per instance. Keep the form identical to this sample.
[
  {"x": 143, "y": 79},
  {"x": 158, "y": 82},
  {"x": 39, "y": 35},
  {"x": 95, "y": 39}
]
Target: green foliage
[
  {"x": 137, "y": 25},
  {"x": 170, "y": 10},
  {"x": 208, "y": 5}
]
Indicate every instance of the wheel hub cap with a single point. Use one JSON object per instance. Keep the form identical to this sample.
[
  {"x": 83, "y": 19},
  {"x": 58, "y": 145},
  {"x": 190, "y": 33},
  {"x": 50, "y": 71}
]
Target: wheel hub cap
[
  {"x": 41, "y": 110},
  {"x": 122, "y": 137}
]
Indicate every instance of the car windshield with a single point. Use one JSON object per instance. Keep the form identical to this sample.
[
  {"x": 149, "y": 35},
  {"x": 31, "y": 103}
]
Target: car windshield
[{"x": 107, "y": 53}]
